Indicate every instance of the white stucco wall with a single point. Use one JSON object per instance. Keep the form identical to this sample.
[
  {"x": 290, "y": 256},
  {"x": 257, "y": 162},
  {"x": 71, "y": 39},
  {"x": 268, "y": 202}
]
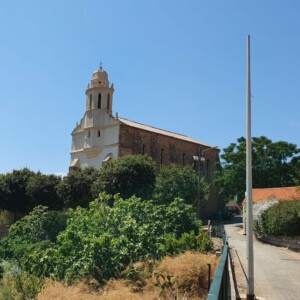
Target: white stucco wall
[{"x": 88, "y": 148}]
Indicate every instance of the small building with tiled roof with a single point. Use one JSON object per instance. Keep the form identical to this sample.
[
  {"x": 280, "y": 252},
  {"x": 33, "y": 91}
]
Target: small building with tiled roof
[
  {"x": 101, "y": 136},
  {"x": 265, "y": 194},
  {"x": 278, "y": 193}
]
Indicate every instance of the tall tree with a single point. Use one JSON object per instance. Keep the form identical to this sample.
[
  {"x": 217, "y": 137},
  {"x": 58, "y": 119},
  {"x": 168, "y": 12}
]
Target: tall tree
[
  {"x": 13, "y": 189},
  {"x": 41, "y": 190},
  {"x": 274, "y": 165},
  {"x": 296, "y": 165},
  {"x": 174, "y": 181},
  {"x": 75, "y": 189},
  {"x": 129, "y": 175}
]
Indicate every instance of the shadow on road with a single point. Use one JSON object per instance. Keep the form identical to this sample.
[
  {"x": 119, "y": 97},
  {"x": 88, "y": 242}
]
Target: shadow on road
[{"x": 238, "y": 220}]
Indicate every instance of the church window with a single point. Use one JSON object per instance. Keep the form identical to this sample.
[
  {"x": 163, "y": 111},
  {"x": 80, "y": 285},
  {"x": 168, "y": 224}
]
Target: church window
[
  {"x": 108, "y": 101},
  {"x": 99, "y": 133},
  {"x": 89, "y": 134},
  {"x": 91, "y": 101},
  {"x": 99, "y": 100}
]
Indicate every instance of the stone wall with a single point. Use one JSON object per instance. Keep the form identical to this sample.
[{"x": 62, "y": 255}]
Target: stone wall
[
  {"x": 166, "y": 150},
  {"x": 292, "y": 243}
]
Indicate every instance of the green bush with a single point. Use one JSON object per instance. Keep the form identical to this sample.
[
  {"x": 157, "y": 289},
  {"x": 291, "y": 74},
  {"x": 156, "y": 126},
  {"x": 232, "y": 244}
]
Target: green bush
[
  {"x": 39, "y": 225},
  {"x": 101, "y": 241},
  {"x": 129, "y": 175},
  {"x": 175, "y": 181},
  {"x": 17, "y": 284},
  {"x": 282, "y": 219}
]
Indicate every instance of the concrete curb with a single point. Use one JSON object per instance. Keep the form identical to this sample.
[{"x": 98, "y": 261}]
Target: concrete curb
[{"x": 231, "y": 287}]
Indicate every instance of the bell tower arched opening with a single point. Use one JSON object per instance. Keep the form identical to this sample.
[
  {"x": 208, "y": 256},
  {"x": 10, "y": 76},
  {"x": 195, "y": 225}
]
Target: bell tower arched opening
[{"x": 99, "y": 101}]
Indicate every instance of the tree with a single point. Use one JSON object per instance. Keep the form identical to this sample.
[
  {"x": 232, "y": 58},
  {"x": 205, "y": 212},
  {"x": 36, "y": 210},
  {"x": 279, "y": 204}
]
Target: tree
[
  {"x": 203, "y": 196},
  {"x": 75, "y": 189},
  {"x": 41, "y": 190},
  {"x": 13, "y": 190},
  {"x": 175, "y": 181},
  {"x": 129, "y": 175},
  {"x": 3, "y": 191},
  {"x": 273, "y": 165},
  {"x": 296, "y": 165}
]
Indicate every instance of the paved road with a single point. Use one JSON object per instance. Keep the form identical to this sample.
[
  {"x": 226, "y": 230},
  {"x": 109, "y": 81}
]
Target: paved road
[{"x": 276, "y": 270}]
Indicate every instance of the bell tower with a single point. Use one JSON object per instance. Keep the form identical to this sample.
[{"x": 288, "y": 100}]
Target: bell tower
[
  {"x": 95, "y": 138},
  {"x": 99, "y": 92}
]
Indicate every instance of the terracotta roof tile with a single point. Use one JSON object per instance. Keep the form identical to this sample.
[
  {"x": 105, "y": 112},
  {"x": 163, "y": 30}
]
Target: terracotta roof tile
[{"x": 281, "y": 193}]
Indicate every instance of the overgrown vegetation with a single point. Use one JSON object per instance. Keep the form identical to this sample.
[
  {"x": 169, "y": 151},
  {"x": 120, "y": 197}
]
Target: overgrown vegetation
[
  {"x": 70, "y": 238},
  {"x": 128, "y": 176},
  {"x": 180, "y": 277},
  {"x": 177, "y": 181},
  {"x": 22, "y": 190},
  {"x": 17, "y": 284},
  {"x": 101, "y": 241},
  {"x": 75, "y": 189},
  {"x": 258, "y": 209},
  {"x": 282, "y": 219},
  {"x": 278, "y": 218}
]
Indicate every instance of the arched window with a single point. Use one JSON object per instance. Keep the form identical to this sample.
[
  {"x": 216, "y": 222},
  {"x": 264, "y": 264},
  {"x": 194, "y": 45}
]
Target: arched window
[
  {"x": 99, "y": 100},
  {"x": 99, "y": 133},
  {"x": 91, "y": 101},
  {"x": 108, "y": 101},
  {"x": 89, "y": 134}
]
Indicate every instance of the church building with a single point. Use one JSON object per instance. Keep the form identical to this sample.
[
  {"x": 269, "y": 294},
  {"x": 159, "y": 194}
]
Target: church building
[{"x": 101, "y": 136}]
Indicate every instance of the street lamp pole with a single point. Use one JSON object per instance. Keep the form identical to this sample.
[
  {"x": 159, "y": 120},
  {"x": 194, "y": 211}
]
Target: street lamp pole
[
  {"x": 200, "y": 159},
  {"x": 249, "y": 225}
]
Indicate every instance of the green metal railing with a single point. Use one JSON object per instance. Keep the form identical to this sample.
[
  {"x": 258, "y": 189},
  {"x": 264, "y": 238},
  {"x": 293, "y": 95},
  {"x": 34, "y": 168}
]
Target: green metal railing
[{"x": 219, "y": 286}]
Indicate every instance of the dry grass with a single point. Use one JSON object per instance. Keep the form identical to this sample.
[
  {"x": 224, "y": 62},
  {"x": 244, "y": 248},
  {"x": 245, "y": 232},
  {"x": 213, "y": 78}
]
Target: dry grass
[
  {"x": 113, "y": 290},
  {"x": 190, "y": 271},
  {"x": 189, "y": 282}
]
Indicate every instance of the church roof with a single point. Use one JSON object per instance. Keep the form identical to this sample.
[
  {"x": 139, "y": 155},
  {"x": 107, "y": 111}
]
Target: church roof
[{"x": 161, "y": 131}]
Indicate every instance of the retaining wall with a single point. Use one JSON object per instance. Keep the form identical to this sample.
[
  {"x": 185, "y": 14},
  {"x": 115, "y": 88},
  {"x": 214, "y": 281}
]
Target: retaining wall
[{"x": 292, "y": 243}]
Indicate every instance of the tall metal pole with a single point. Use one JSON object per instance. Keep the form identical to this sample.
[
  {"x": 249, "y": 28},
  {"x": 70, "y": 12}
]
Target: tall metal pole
[{"x": 249, "y": 225}]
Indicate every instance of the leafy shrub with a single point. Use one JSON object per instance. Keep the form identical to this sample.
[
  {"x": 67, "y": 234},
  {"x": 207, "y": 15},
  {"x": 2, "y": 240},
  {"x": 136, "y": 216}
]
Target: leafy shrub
[
  {"x": 17, "y": 284},
  {"x": 258, "y": 209},
  {"x": 42, "y": 190},
  {"x": 39, "y": 225},
  {"x": 101, "y": 241},
  {"x": 129, "y": 175},
  {"x": 282, "y": 219},
  {"x": 175, "y": 181},
  {"x": 75, "y": 188}
]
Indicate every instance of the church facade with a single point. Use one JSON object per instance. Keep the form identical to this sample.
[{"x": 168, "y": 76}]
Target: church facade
[{"x": 101, "y": 136}]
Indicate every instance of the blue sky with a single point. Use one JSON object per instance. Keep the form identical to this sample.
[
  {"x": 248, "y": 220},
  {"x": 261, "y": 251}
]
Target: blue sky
[{"x": 176, "y": 65}]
